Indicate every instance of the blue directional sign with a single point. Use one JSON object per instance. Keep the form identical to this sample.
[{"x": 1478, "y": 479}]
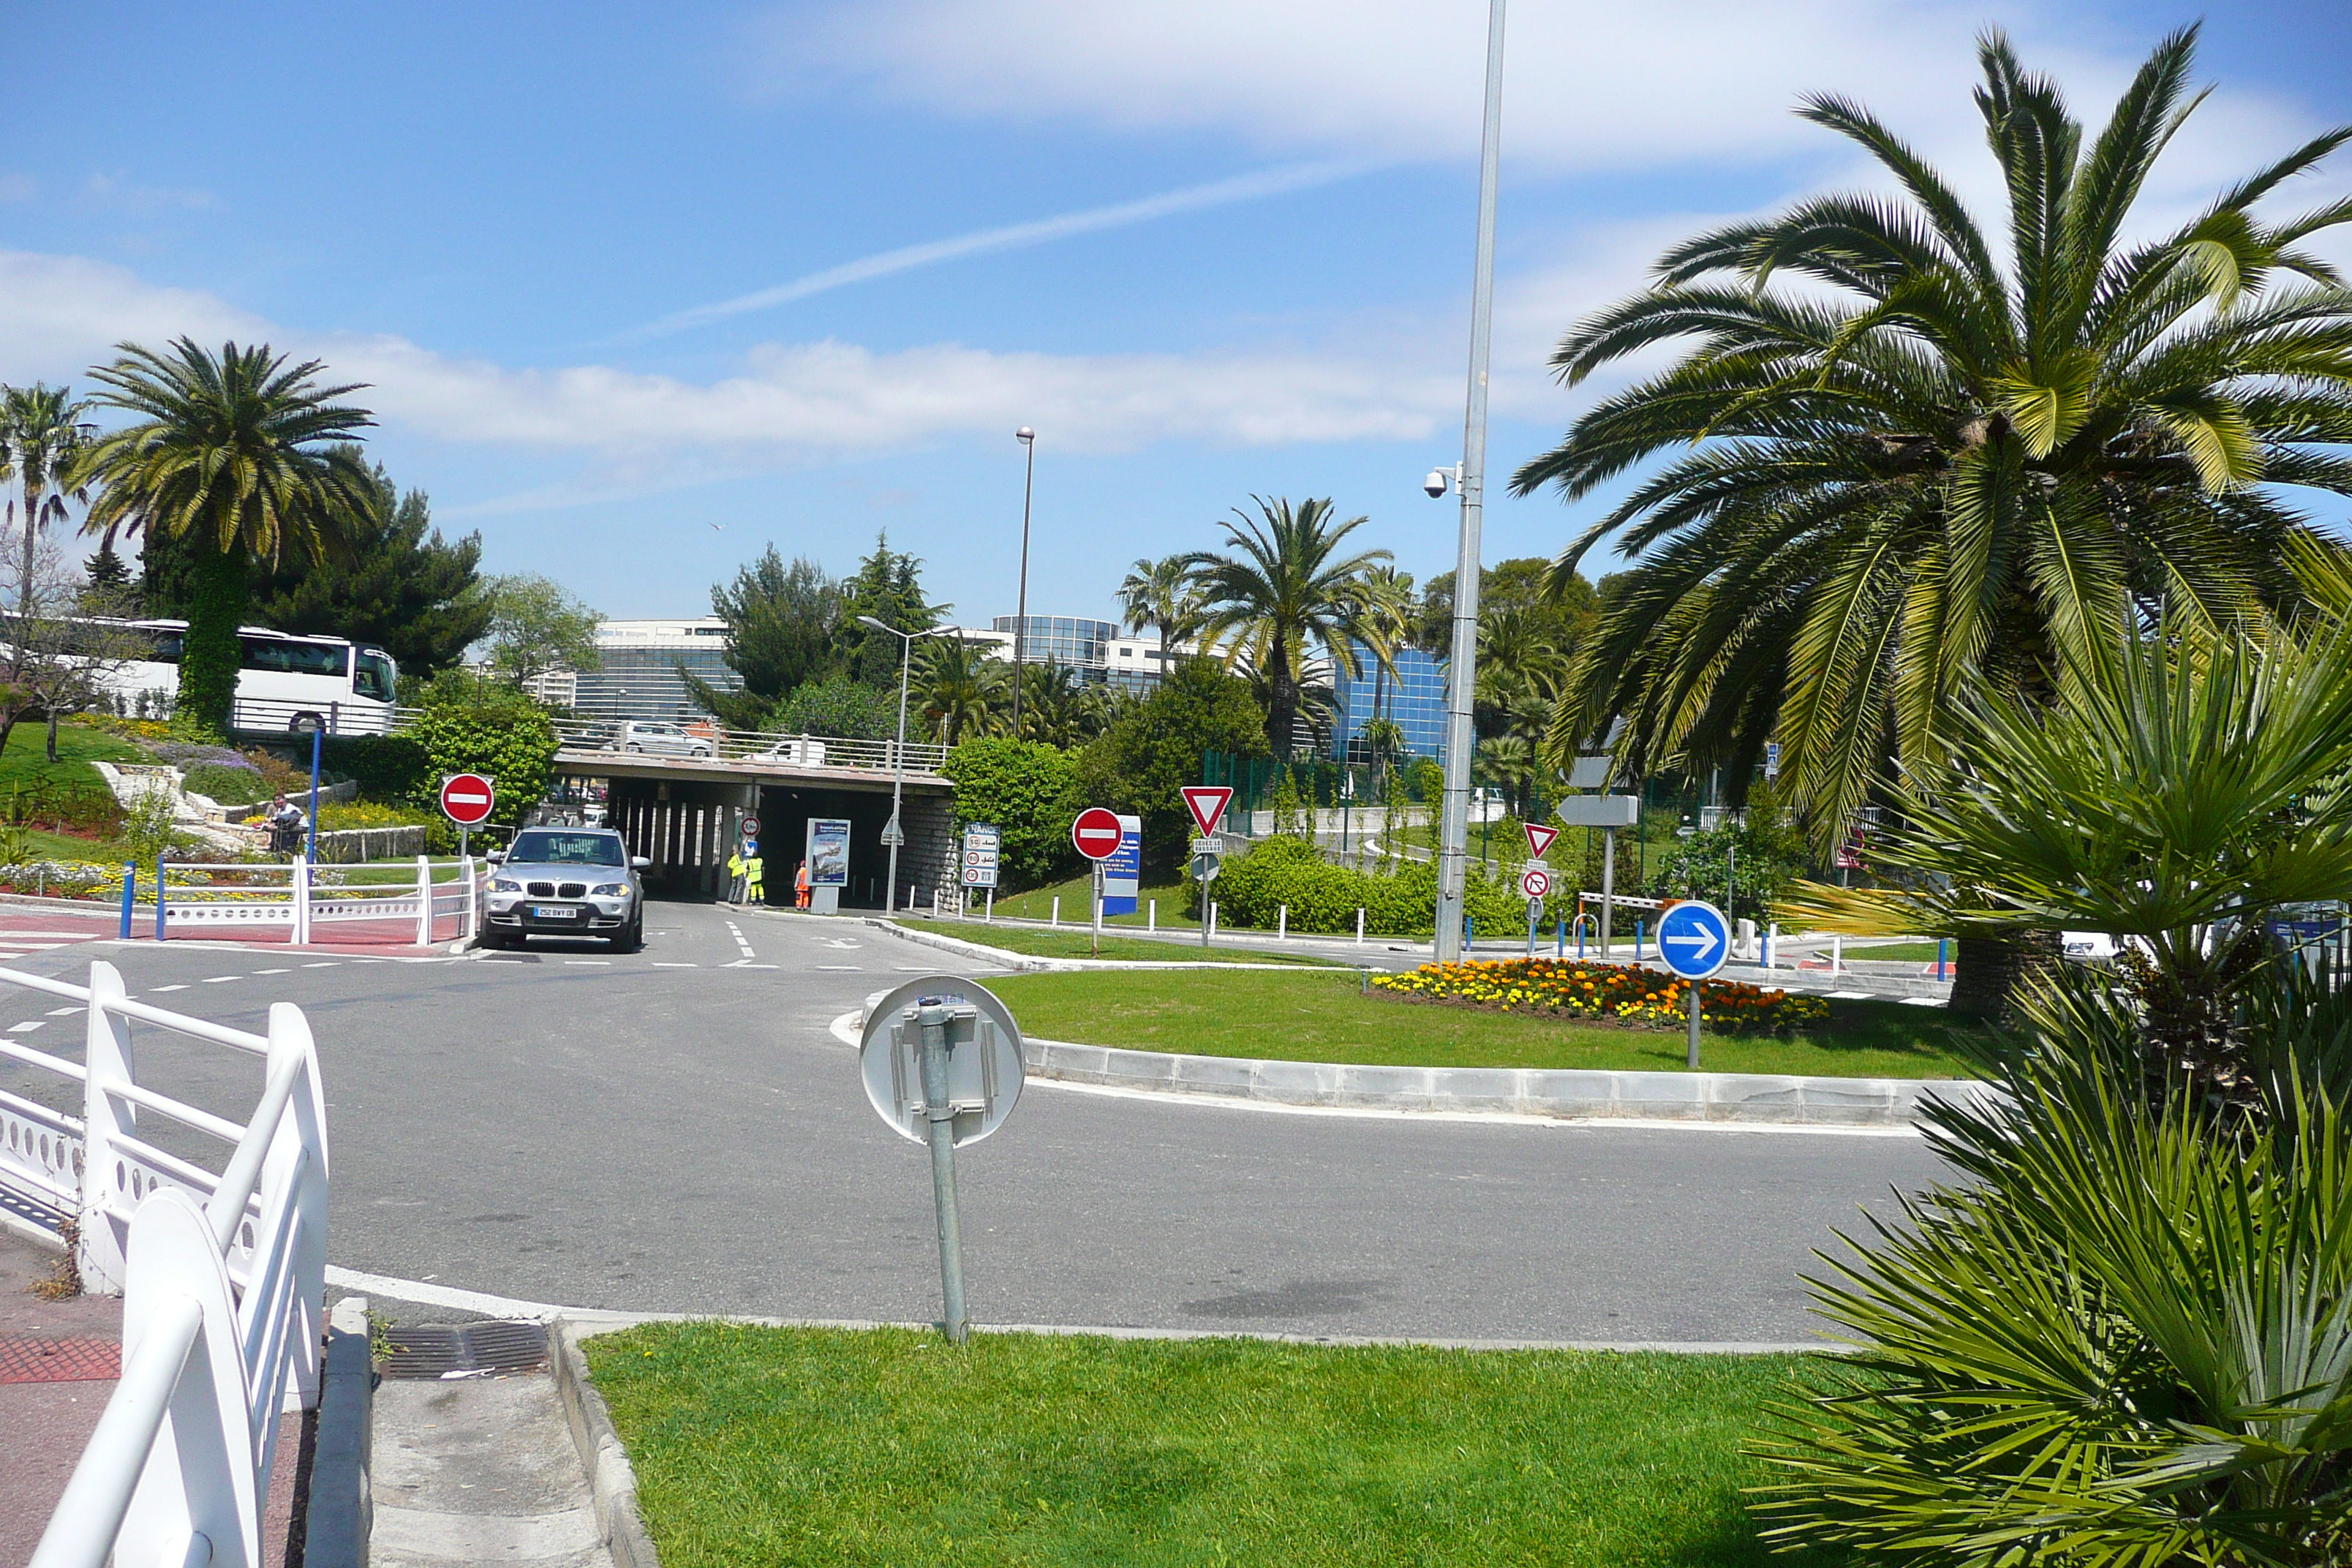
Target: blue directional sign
[{"x": 1694, "y": 939}]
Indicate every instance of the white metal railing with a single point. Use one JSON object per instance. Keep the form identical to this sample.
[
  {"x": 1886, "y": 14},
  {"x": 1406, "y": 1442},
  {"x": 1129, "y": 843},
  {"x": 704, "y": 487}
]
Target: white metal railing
[
  {"x": 709, "y": 741},
  {"x": 302, "y": 897},
  {"x": 272, "y": 715},
  {"x": 223, "y": 1277}
]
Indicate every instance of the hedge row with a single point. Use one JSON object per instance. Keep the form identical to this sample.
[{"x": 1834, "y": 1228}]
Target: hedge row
[{"x": 1251, "y": 889}]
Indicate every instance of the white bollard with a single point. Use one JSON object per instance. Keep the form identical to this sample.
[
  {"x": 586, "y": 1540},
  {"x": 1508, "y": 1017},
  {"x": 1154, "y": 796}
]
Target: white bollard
[
  {"x": 1212, "y": 919},
  {"x": 424, "y": 901},
  {"x": 1359, "y": 927},
  {"x": 1772, "y": 936},
  {"x": 1281, "y": 922},
  {"x": 1057, "y": 909},
  {"x": 988, "y": 912},
  {"x": 1152, "y": 920},
  {"x": 1837, "y": 954}
]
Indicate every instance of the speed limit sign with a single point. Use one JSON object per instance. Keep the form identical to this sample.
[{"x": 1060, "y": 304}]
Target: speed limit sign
[{"x": 1535, "y": 882}]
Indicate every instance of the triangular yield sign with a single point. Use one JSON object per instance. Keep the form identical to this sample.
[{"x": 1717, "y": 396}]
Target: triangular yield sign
[
  {"x": 1207, "y": 804},
  {"x": 1540, "y": 838}
]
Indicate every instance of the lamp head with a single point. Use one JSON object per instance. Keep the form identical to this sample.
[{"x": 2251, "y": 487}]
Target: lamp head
[
  {"x": 877, "y": 626},
  {"x": 1024, "y": 434}
]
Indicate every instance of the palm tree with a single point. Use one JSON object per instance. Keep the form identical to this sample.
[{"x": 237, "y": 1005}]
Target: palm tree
[
  {"x": 243, "y": 456},
  {"x": 1931, "y": 471},
  {"x": 1160, "y": 595},
  {"x": 1054, "y": 709},
  {"x": 961, "y": 688},
  {"x": 42, "y": 434},
  {"x": 1287, "y": 586}
]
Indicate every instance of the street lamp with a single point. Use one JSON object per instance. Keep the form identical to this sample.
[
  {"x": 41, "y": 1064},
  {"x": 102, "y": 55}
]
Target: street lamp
[
  {"x": 1028, "y": 439},
  {"x": 898, "y": 778},
  {"x": 1470, "y": 478}
]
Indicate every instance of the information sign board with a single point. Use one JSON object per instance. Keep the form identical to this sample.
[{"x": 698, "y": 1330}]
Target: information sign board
[
  {"x": 1123, "y": 872},
  {"x": 982, "y": 844},
  {"x": 828, "y": 852}
]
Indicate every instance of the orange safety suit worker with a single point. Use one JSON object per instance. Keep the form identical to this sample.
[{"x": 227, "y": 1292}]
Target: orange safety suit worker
[{"x": 801, "y": 887}]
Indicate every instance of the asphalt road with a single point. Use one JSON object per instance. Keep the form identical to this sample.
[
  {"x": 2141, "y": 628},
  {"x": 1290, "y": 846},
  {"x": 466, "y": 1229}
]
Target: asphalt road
[{"x": 678, "y": 1131}]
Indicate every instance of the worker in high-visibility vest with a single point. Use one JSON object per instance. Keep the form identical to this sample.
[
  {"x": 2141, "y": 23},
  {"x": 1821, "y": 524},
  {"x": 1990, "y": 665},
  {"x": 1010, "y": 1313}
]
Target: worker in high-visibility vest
[
  {"x": 735, "y": 877},
  {"x": 801, "y": 886},
  {"x": 752, "y": 889}
]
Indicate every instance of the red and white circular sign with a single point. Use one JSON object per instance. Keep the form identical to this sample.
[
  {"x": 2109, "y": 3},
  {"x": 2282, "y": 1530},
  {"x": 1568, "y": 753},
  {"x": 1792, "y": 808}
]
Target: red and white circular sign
[
  {"x": 1095, "y": 833},
  {"x": 1535, "y": 882},
  {"x": 467, "y": 798}
]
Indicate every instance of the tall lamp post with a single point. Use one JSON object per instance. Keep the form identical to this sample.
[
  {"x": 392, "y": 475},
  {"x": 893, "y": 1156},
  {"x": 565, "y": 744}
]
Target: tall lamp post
[
  {"x": 1028, "y": 439},
  {"x": 907, "y": 641},
  {"x": 1470, "y": 478}
]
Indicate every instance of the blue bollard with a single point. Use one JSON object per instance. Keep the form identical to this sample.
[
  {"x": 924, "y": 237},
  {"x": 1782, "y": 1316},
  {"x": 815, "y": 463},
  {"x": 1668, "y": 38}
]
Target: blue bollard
[
  {"x": 159, "y": 897},
  {"x": 129, "y": 892},
  {"x": 1561, "y": 951},
  {"x": 1469, "y": 932},
  {"x": 1939, "y": 958},
  {"x": 1637, "y": 940}
]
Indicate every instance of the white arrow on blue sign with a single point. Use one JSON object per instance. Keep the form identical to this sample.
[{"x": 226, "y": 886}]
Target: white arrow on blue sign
[{"x": 1694, "y": 939}]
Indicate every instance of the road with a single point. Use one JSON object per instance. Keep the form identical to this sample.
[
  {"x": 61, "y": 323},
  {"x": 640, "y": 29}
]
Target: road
[{"x": 678, "y": 1131}]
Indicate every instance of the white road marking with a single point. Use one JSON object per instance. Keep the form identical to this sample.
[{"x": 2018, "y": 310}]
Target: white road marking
[
  {"x": 326, "y": 963},
  {"x": 222, "y": 979},
  {"x": 63, "y": 1012},
  {"x": 747, "y": 963},
  {"x": 590, "y": 962},
  {"x": 28, "y": 1024},
  {"x": 272, "y": 971},
  {"x": 838, "y": 968},
  {"x": 659, "y": 964},
  {"x": 23, "y": 946},
  {"x": 161, "y": 989}
]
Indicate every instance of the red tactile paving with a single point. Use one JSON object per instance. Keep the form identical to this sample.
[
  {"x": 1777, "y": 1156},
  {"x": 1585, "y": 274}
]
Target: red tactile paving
[{"x": 26, "y": 1359}]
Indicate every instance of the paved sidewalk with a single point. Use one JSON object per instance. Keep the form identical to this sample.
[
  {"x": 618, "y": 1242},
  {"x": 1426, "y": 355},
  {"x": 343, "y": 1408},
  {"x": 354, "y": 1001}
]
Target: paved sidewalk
[{"x": 57, "y": 1367}]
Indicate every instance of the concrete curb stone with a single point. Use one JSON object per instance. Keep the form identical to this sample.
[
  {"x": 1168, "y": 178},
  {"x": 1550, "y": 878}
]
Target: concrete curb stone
[
  {"x": 339, "y": 1511},
  {"x": 1578, "y": 1093},
  {"x": 612, "y": 1484}
]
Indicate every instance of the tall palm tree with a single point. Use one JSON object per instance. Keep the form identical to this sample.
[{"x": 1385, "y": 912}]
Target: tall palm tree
[
  {"x": 43, "y": 432},
  {"x": 1286, "y": 586},
  {"x": 243, "y": 454},
  {"x": 1160, "y": 595},
  {"x": 1930, "y": 470},
  {"x": 962, "y": 690},
  {"x": 1054, "y": 709}
]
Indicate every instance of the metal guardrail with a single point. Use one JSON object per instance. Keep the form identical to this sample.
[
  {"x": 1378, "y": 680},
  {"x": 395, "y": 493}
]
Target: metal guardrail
[
  {"x": 223, "y": 1277},
  {"x": 709, "y": 741},
  {"x": 297, "y": 895},
  {"x": 273, "y": 716}
]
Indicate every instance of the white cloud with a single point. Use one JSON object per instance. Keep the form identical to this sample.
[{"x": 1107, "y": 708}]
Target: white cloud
[{"x": 124, "y": 195}]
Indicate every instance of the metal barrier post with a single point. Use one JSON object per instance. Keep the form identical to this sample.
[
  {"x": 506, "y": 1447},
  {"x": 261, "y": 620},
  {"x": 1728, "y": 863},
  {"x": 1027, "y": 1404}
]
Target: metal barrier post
[
  {"x": 159, "y": 895},
  {"x": 130, "y": 894},
  {"x": 299, "y": 891},
  {"x": 424, "y": 901},
  {"x": 107, "y": 1063}
]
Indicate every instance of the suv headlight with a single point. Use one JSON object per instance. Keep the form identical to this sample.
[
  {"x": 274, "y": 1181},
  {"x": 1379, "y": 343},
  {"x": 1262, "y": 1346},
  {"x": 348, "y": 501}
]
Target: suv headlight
[
  {"x": 500, "y": 885},
  {"x": 611, "y": 890}
]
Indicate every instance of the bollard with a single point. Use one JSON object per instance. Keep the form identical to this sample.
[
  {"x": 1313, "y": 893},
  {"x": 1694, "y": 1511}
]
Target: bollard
[
  {"x": 1151, "y": 922},
  {"x": 1360, "y": 926},
  {"x": 130, "y": 894},
  {"x": 1771, "y": 935},
  {"x": 1560, "y": 951},
  {"x": 159, "y": 896},
  {"x": 1213, "y": 920},
  {"x": 1057, "y": 909},
  {"x": 1638, "y": 933},
  {"x": 1281, "y": 922},
  {"x": 1837, "y": 955},
  {"x": 1939, "y": 958},
  {"x": 988, "y": 911}
]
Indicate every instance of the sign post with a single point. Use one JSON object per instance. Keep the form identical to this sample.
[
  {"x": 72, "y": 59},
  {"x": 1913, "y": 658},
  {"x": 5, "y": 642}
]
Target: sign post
[
  {"x": 1096, "y": 835},
  {"x": 467, "y": 799},
  {"x": 941, "y": 1061},
  {"x": 1696, "y": 941}
]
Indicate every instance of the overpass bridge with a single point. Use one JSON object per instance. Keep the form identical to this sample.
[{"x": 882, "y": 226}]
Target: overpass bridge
[{"x": 682, "y": 811}]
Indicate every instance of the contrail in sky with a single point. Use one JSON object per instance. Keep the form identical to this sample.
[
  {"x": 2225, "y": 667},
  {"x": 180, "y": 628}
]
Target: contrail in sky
[{"x": 1218, "y": 193}]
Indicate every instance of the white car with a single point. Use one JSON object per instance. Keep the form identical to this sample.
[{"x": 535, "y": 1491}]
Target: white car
[{"x": 661, "y": 740}]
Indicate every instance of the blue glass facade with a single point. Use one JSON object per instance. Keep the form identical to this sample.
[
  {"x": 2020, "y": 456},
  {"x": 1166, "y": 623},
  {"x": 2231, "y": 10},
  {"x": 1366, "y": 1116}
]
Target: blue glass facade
[{"x": 1414, "y": 696}]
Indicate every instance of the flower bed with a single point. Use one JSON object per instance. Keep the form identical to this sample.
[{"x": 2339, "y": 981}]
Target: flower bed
[{"x": 1607, "y": 992}]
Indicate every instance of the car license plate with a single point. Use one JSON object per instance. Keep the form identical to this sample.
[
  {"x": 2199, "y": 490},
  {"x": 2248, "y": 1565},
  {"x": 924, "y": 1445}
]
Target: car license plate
[{"x": 542, "y": 913}]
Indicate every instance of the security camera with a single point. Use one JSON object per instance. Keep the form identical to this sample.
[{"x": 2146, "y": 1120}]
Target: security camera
[{"x": 1435, "y": 484}]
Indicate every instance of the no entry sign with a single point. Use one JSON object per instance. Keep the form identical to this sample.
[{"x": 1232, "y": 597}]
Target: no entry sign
[
  {"x": 467, "y": 799},
  {"x": 1095, "y": 833}
]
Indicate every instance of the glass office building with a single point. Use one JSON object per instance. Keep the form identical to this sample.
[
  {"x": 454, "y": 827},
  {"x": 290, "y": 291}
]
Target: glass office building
[
  {"x": 1414, "y": 698},
  {"x": 1082, "y": 645},
  {"x": 638, "y": 668}
]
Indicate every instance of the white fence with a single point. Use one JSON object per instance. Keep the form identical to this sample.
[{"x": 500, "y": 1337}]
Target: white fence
[
  {"x": 270, "y": 715},
  {"x": 300, "y": 896},
  {"x": 794, "y": 751},
  {"x": 223, "y": 1279}
]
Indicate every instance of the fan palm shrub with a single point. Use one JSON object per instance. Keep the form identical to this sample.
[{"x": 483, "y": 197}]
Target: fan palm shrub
[
  {"x": 2125, "y": 1338},
  {"x": 960, "y": 689},
  {"x": 245, "y": 456},
  {"x": 1935, "y": 465}
]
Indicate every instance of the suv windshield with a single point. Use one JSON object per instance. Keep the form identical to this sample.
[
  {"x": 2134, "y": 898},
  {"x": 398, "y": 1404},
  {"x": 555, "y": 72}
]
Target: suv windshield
[{"x": 542, "y": 848}]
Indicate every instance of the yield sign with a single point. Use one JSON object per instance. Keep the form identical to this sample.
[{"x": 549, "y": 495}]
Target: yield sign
[
  {"x": 1539, "y": 838},
  {"x": 1095, "y": 833},
  {"x": 1207, "y": 804}
]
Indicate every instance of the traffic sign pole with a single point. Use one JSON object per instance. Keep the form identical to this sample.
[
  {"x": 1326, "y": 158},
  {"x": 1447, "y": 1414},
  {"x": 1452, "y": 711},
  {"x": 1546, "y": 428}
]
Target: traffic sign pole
[
  {"x": 940, "y": 1109},
  {"x": 1099, "y": 902},
  {"x": 1692, "y": 1061}
]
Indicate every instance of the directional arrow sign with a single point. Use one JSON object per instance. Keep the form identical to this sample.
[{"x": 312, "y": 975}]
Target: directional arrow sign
[
  {"x": 1540, "y": 838},
  {"x": 1694, "y": 939},
  {"x": 1207, "y": 804}
]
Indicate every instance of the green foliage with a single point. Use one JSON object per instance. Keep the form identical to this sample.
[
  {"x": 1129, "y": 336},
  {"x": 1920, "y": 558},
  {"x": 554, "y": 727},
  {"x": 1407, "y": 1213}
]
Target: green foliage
[
  {"x": 2123, "y": 1336},
  {"x": 1150, "y": 752},
  {"x": 385, "y": 767},
  {"x": 401, "y": 587},
  {"x": 779, "y": 623},
  {"x": 1929, "y": 468},
  {"x": 1322, "y": 897},
  {"x": 1426, "y": 780},
  {"x": 838, "y": 705},
  {"x": 958, "y": 691},
  {"x": 888, "y": 587},
  {"x": 1029, "y": 790},
  {"x": 535, "y": 626},
  {"x": 228, "y": 785},
  {"x": 150, "y": 826},
  {"x": 1766, "y": 853},
  {"x": 243, "y": 456},
  {"x": 469, "y": 727}
]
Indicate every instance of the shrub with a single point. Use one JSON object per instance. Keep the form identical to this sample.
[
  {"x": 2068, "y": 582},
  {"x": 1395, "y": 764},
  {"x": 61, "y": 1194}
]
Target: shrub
[
  {"x": 1617, "y": 992},
  {"x": 385, "y": 767},
  {"x": 838, "y": 705},
  {"x": 226, "y": 784},
  {"x": 1252, "y": 889},
  {"x": 1153, "y": 749},
  {"x": 1028, "y": 791},
  {"x": 494, "y": 731}
]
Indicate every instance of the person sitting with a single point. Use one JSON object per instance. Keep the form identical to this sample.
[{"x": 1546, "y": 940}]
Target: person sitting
[{"x": 286, "y": 826}]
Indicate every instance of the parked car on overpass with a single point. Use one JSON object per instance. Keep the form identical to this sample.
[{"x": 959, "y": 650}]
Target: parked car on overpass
[{"x": 657, "y": 739}]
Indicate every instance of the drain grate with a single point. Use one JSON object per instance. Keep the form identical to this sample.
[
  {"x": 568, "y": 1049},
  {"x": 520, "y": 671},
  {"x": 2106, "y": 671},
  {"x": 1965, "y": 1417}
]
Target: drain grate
[{"x": 475, "y": 1350}]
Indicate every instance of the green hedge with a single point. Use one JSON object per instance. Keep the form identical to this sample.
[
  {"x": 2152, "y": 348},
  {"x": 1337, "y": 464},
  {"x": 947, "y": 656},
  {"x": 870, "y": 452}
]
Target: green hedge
[
  {"x": 1323, "y": 897},
  {"x": 385, "y": 767}
]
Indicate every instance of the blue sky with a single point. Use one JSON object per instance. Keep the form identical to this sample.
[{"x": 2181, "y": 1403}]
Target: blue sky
[{"x": 518, "y": 224}]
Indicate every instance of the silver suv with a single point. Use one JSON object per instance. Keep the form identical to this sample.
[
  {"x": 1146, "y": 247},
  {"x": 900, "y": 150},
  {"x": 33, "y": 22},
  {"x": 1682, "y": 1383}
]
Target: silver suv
[
  {"x": 661, "y": 740},
  {"x": 566, "y": 881}
]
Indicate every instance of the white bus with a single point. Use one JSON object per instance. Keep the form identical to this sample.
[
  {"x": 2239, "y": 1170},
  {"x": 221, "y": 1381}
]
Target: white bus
[{"x": 288, "y": 683}]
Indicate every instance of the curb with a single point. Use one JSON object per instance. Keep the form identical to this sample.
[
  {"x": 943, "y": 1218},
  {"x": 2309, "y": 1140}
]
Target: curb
[
  {"x": 340, "y": 1512},
  {"x": 1030, "y": 963},
  {"x": 612, "y": 1484},
  {"x": 1557, "y": 1094}
]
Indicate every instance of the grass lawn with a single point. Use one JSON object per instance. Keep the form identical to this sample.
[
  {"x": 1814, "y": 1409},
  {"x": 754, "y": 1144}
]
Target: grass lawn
[
  {"x": 1037, "y": 904},
  {"x": 1897, "y": 952},
  {"x": 1080, "y": 945},
  {"x": 1226, "y": 1012},
  {"x": 26, "y": 760},
  {"x": 887, "y": 1447}
]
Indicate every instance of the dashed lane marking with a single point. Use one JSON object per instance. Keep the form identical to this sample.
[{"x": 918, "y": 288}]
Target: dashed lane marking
[
  {"x": 842, "y": 968},
  {"x": 161, "y": 989},
  {"x": 273, "y": 971},
  {"x": 222, "y": 979},
  {"x": 63, "y": 1012},
  {"x": 659, "y": 964},
  {"x": 29, "y": 1024},
  {"x": 589, "y": 962},
  {"x": 325, "y": 963}
]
